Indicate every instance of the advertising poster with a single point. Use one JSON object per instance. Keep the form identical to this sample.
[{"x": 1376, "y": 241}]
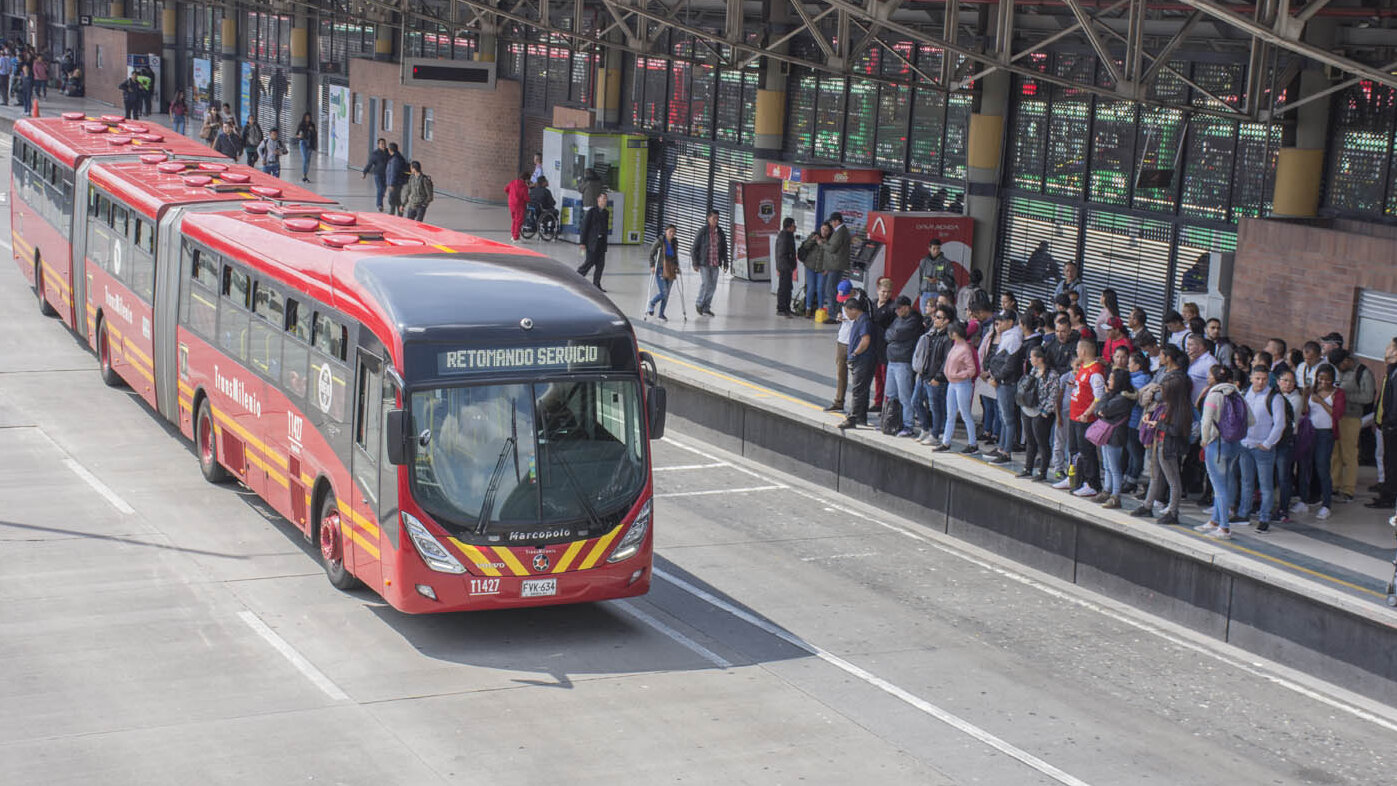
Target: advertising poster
[
  {"x": 203, "y": 87},
  {"x": 854, "y": 203},
  {"x": 756, "y": 218},
  {"x": 339, "y": 124},
  {"x": 245, "y": 106}
]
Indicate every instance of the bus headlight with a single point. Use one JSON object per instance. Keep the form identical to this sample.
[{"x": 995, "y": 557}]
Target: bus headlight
[
  {"x": 635, "y": 535},
  {"x": 433, "y": 553}
]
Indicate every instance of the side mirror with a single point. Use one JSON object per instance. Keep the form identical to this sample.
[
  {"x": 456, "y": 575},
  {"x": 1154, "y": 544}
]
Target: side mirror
[
  {"x": 655, "y": 398},
  {"x": 396, "y": 430}
]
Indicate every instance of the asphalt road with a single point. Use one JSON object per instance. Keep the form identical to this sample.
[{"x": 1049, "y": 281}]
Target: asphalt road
[{"x": 158, "y": 629}]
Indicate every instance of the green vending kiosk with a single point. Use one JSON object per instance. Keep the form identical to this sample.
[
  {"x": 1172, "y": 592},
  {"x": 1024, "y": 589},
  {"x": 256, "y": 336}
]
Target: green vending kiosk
[{"x": 618, "y": 160}]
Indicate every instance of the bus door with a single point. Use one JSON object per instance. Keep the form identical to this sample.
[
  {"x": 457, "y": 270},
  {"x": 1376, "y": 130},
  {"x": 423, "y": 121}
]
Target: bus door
[
  {"x": 167, "y": 280},
  {"x": 366, "y": 543},
  {"x": 78, "y": 237}
]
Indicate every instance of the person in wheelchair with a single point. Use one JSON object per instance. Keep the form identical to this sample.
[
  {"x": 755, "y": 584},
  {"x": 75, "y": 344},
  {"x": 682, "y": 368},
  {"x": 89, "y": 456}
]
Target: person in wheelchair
[{"x": 541, "y": 199}]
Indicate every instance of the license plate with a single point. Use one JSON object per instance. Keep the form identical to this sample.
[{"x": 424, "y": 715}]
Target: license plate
[{"x": 538, "y": 588}]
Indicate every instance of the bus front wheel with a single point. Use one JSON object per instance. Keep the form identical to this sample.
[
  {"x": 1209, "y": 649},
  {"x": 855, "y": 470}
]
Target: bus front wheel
[
  {"x": 204, "y": 442},
  {"x": 332, "y": 545}
]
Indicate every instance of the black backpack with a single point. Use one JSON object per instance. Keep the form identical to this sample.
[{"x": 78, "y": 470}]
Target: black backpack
[
  {"x": 1289, "y": 434},
  {"x": 890, "y": 421}
]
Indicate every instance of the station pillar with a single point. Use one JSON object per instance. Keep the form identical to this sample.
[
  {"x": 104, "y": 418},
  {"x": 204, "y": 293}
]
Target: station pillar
[
  {"x": 117, "y": 9},
  {"x": 71, "y": 32},
  {"x": 984, "y": 162},
  {"x": 299, "y": 88},
  {"x": 169, "y": 49},
  {"x": 771, "y": 107},
  {"x": 228, "y": 57},
  {"x": 487, "y": 44},
  {"x": 606, "y": 110},
  {"x": 1300, "y": 164},
  {"x": 384, "y": 33},
  {"x": 34, "y": 24}
]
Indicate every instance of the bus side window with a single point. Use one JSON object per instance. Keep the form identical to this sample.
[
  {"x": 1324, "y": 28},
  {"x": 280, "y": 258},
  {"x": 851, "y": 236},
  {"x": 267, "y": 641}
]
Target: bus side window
[
  {"x": 265, "y": 351},
  {"x": 233, "y": 312},
  {"x": 201, "y": 308},
  {"x": 143, "y": 263},
  {"x": 367, "y": 398},
  {"x": 328, "y": 337},
  {"x": 297, "y": 355}
]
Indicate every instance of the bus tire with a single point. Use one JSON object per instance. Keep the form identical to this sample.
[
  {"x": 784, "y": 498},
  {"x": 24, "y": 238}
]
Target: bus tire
[
  {"x": 104, "y": 356},
  {"x": 331, "y": 540},
  {"x": 206, "y": 445},
  {"x": 44, "y": 307}
]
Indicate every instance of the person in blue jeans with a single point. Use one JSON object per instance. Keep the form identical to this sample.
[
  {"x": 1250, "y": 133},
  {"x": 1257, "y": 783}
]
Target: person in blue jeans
[
  {"x": 1115, "y": 407},
  {"x": 930, "y": 368},
  {"x": 900, "y": 338},
  {"x": 308, "y": 139},
  {"x": 1258, "y": 456},
  {"x": 1219, "y": 455},
  {"x": 960, "y": 371},
  {"x": 378, "y": 166},
  {"x": 812, "y": 255},
  {"x": 664, "y": 265},
  {"x": 1327, "y": 405}
]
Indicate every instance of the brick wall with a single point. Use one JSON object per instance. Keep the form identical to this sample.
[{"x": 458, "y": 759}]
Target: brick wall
[
  {"x": 101, "y": 83},
  {"x": 475, "y": 150},
  {"x": 1299, "y": 282}
]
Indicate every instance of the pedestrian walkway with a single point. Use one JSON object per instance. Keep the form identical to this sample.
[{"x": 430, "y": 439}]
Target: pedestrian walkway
[{"x": 757, "y": 354}]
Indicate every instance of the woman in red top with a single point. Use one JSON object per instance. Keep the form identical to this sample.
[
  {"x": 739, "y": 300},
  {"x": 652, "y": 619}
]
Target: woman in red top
[
  {"x": 1116, "y": 337},
  {"x": 518, "y": 193}
]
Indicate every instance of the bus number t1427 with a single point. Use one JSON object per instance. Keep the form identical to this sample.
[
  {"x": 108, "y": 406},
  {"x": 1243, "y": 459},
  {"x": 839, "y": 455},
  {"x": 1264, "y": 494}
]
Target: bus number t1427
[{"x": 485, "y": 586}]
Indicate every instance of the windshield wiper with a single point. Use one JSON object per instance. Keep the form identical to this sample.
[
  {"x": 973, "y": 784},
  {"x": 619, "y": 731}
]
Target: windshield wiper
[
  {"x": 593, "y": 520},
  {"x": 488, "y": 504}
]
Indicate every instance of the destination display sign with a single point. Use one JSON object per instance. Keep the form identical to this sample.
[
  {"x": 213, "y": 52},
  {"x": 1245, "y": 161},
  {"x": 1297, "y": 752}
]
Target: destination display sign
[{"x": 542, "y": 358}]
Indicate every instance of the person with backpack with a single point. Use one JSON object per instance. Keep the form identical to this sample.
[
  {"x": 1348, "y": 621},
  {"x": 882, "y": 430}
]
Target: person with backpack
[
  {"x": 1112, "y": 415},
  {"x": 252, "y": 140},
  {"x": 419, "y": 192},
  {"x": 971, "y": 293},
  {"x": 935, "y": 273},
  {"x": 1139, "y": 367},
  {"x": 812, "y": 254},
  {"x": 1165, "y": 431},
  {"x": 270, "y": 152},
  {"x": 1226, "y": 420},
  {"x": 1006, "y": 368},
  {"x": 785, "y": 264},
  {"x": 396, "y": 174},
  {"x": 1289, "y": 446},
  {"x": 1037, "y": 394},
  {"x": 1272, "y": 421},
  {"x": 1360, "y": 391},
  {"x": 308, "y": 139},
  {"x": 130, "y": 98}
]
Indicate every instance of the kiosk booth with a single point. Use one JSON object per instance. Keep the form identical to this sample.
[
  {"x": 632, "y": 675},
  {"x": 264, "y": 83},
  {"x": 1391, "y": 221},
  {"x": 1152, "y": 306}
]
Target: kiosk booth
[
  {"x": 904, "y": 237},
  {"x": 810, "y": 194},
  {"x": 618, "y": 159}
]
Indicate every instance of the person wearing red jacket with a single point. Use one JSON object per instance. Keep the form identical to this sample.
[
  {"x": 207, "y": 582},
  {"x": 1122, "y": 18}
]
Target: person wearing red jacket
[{"x": 518, "y": 193}]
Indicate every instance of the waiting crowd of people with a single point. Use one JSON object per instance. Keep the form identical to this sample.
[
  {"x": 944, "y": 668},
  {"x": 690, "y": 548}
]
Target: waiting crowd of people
[
  {"x": 1103, "y": 408},
  {"x": 25, "y": 74}
]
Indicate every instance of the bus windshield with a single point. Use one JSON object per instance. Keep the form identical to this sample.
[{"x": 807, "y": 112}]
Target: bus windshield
[{"x": 509, "y": 456}]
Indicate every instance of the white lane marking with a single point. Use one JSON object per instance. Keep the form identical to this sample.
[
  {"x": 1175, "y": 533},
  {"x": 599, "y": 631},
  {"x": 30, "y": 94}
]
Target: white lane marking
[
  {"x": 678, "y": 467},
  {"x": 98, "y": 486},
  {"x": 298, "y": 660},
  {"x": 711, "y": 457},
  {"x": 718, "y": 491},
  {"x": 1236, "y": 660},
  {"x": 1254, "y": 670},
  {"x": 681, "y": 639},
  {"x": 845, "y": 666}
]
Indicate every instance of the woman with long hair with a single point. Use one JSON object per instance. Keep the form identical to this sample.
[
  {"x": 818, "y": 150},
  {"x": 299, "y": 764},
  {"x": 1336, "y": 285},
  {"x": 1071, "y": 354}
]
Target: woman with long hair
[
  {"x": 1173, "y": 425},
  {"x": 308, "y": 139},
  {"x": 1115, "y": 407},
  {"x": 664, "y": 266},
  {"x": 1326, "y": 407},
  {"x": 1110, "y": 309}
]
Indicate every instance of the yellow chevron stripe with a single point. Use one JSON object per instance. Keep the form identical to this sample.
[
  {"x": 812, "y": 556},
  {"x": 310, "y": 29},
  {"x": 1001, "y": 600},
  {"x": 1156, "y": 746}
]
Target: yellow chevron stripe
[
  {"x": 447, "y": 249},
  {"x": 248, "y": 438},
  {"x": 306, "y": 480},
  {"x": 359, "y": 520},
  {"x": 139, "y": 369},
  {"x": 271, "y": 473},
  {"x": 364, "y": 544},
  {"x": 597, "y": 551},
  {"x": 130, "y": 345},
  {"x": 185, "y": 387},
  {"x": 569, "y": 556},
  {"x": 58, "y": 279},
  {"x": 478, "y": 561},
  {"x": 512, "y": 561}
]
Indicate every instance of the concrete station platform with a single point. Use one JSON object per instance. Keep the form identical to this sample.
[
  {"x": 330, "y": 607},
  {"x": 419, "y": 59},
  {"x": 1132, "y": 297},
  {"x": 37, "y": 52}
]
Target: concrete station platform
[{"x": 1310, "y": 594}]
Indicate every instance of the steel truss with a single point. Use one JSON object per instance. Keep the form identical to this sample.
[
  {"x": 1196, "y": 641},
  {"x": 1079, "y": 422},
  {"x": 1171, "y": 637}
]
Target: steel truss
[{"x": 1135, "y": 42}]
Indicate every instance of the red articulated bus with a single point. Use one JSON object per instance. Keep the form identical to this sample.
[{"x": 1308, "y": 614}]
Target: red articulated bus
[
  {"x": 457, "y": 423},
  {"x": 51, "y": 157}
]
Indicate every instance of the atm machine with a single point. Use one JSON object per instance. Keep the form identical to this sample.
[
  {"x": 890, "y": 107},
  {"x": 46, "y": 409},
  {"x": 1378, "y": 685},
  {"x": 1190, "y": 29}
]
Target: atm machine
[
  {"x": 620, "y": 161},
  {"x": 810, "y": 194}
]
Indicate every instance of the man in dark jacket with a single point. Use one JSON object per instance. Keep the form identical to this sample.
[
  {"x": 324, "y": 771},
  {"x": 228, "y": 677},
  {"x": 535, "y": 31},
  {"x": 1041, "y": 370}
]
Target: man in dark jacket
[
  {"x": 396, "y": 174},
  {"x": 596, "y": 225},
  {"x": 936, "y": 273},
  {"x": 228, "y": 142},
  {"x": 591, "y": 187},
  {"x": 378, "y": 165},
  {"x": 1060, "y": 349},
  {"x": 708, "y": 254},
  {"x": 1006, "y": 367},
  {"x": 785, "y": 265},
  {"x": 1385, "y": 417},
  {"x": 836, "y": 259},
  {"x": 901, "y": 339},
  {"x": 928, "y": 360}
]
